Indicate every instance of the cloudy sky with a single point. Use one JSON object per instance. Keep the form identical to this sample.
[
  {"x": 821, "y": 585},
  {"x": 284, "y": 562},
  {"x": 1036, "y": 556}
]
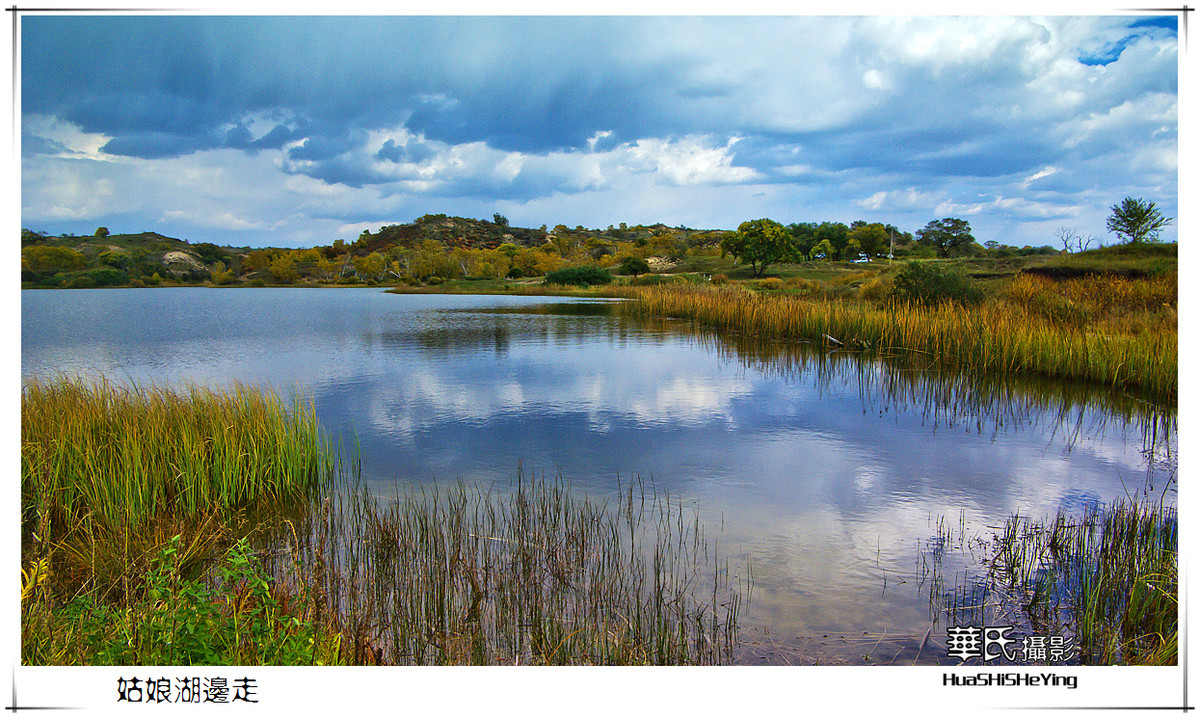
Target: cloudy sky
[{"x": 297, "y": 131}]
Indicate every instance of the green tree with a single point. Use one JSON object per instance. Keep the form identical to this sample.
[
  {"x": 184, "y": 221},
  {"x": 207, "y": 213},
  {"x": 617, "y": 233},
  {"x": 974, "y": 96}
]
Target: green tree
[
  {"x": 102, "y": 232},
  {"x": 634, "y": 266},
  {"x": 1135, "y": 220},
  {"x": 284, "y": 269},
  {"x": 759, "y": 242},
  {"x": 871, "y": 238},
  {"x": 946, "y": 235},
  {"x": 822, "y": 250}
]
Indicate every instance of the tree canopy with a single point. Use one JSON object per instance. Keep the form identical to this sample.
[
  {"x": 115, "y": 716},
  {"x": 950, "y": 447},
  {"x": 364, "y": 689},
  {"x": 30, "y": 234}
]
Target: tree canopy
[
  {"x": 760, "y": 242},
  {"x": 946, "y": 235},
  {"x": 1136, "y": 220}
]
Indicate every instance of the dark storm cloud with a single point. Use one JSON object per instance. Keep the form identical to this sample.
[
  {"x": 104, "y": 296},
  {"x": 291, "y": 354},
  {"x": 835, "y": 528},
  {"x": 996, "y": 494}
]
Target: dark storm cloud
[
  {"x": 522, "y": 84},
  {"x": 542, "y": 109}
]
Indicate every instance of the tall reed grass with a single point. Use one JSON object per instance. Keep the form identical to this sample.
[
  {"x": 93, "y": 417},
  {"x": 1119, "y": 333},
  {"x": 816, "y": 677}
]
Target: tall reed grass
[
  {"x": 992, "y": 337},
  {"x": 1106, "y": 580},
  {"x": 110, "y": 474},
  {"x": 195, "y": 526},
  {"x": 531, "y": 575},
  {"x": 127, "y": 454}
]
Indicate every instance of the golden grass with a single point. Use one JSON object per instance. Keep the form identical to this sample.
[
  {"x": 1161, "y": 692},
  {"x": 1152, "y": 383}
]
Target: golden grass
[{"x": 997, "y": 336}]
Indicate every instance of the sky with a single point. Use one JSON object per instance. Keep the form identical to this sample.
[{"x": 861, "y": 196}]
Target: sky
[{"x": 296, "y": 131}]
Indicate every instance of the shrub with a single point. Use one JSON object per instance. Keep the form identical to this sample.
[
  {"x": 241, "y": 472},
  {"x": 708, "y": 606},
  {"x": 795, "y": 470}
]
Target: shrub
[
  {"x": 876, "y": 290},
  {"x": 653, "y": 280},
  {"x": 771, "y": 283},
  {"x": 719, "y": 279},
  {"x": 932, "y": 283},
  {"x": 120, "y": 260},
  {"x": 634, "y": 266},
  {"x": 581, "y": 276}
]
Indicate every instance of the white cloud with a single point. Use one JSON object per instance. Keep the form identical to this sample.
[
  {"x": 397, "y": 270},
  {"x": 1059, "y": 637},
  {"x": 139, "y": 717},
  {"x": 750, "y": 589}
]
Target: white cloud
[
  {"x": 907, "y": 118},
  {"x": 688, "y": 161},
  {"x": 896, "y": 199}
]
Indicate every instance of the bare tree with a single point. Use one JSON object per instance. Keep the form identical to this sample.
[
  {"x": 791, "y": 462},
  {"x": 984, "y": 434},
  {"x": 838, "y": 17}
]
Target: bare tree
[{"x": 1067, "y": 236}]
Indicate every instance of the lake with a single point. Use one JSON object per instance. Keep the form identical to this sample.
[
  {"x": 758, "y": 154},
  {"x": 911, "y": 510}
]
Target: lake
[{"x": 824, "y": 476}]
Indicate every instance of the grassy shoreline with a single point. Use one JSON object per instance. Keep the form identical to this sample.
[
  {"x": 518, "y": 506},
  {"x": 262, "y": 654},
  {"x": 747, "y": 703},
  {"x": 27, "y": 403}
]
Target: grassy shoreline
[
  {"x": 998, "y": 336},
  {"x": 195, "y": 527}
]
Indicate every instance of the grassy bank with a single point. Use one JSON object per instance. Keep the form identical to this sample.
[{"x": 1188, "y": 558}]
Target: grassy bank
[
  {"x": 131, "y": 496},
  {"x": 1106, "y": 332},
  {"x": 195, "y": 527}
]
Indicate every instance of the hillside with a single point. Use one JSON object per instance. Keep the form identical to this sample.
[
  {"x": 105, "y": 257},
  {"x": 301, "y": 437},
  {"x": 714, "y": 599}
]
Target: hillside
[{"x": 433, "y": 246}]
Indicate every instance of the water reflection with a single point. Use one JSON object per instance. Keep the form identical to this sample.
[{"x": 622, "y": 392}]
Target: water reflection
[{"x": 823, "y": 469}]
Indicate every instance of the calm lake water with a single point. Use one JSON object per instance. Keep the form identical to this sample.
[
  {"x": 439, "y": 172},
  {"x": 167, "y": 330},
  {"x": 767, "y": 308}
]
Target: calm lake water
[{"x": 828, "y": 475}]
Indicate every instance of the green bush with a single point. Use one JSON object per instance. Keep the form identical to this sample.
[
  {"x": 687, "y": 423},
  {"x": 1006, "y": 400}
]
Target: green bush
[
  {"x": 184, "y": 621},
  {"x": 583, "y": 276},
  {"x": 634, "y": 266},
  {"x": 933, "y": 283}
]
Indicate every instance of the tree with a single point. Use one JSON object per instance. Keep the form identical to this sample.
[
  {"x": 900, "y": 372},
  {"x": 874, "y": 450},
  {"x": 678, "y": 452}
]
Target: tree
[
  {"x": 633, "y": 265},
  {"x": 822, "y": 250},
  {"x": 946, "y": 235},
  {"x": 1066, "y": 237},
  {"x": 102, "y": 232},
  {"x": 284, "y": 269},
  {"x": 872, "y": 238},
  {"x": 499, "y": 219},
  {"x": 759, "y": 242},
  {"x": 1136, "y": 220}
]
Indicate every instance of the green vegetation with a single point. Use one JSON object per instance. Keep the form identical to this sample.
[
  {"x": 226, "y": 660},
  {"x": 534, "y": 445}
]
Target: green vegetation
[
  {"x": 161, "y": 527},
  {"x": 759, "y": 243},
  {"x": 946, "y": 235},
  {"x": 634, "y": 266},
  {"x": 111, "y": 478},
  {"x": 1136, "y": 220},
  {"x": 931, "y": 284},
  {"x": 238, "y": 619},
  {"x": 1102, "y": 330},
  {"x": 584, "y": 276},
  {"x": 97, "y": 452},
  {"x": 1107, "y": 579}
]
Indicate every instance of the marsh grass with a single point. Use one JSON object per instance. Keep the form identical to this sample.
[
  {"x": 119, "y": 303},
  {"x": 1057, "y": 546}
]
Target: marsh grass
[
  {"x": 114, "y": 476},
  {"x": 163, "y": 527},
  {"x": 1106, "y": 580},
  {"x": 991, "y": 337},
  {"x": 526, "y": 575},
  {"x": 109, "y": 473}
]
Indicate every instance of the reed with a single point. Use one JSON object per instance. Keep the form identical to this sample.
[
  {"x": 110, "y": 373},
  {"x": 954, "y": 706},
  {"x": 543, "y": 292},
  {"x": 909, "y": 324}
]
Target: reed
[
  {"x": 165, "y": 527},
  {"x": 531, "y": 575},
  {"x": 992, "y": 337},
  {"x": 1106, "y": 580},
  {"x": 110, "y": 475},
  {"x": 126, "y": 454}
]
